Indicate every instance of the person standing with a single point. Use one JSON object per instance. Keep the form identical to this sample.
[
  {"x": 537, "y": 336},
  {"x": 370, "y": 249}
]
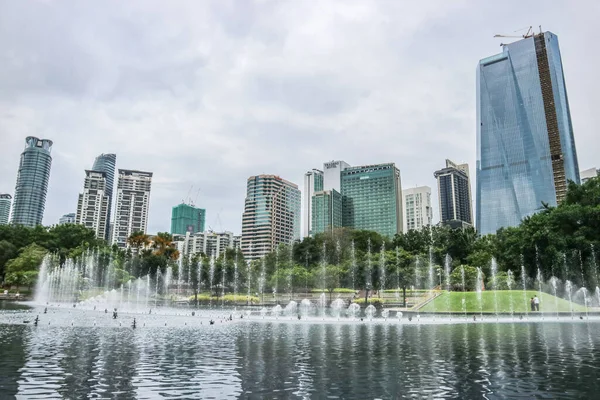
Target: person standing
[
  {"x": 532, "y": 304},
  {"x": 536, "y": 302}
]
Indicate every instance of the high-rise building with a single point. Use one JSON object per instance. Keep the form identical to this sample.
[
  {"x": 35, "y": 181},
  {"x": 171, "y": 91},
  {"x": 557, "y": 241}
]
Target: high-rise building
[
  {"x": 418, "y": 211},
  {"x": 454, "y": 191},
  {"x": 313, "y": 182},
  {"x": 526, "y": 149},
  {"x": 92, "y": 204},
  {"x": 5, "y": 200},
  {"x": 132, "y": 202},
  {"x": 326, "y": 211},
  {"x": 372, "y": 198},
  {"x": 67, "y": 219},
  {"x": 106, "y": 163},
  {"x": 271, "y": 215},
  {"x": 32, "y": 182},
  {"x": 187, "y": 218},
  {"x": 332, "y": 175},
  {"x": 588, "y": 174}
]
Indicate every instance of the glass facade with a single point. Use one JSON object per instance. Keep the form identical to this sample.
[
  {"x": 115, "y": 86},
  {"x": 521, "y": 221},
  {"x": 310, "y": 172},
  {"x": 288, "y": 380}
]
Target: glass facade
[
  {"x": 187, "y": 218},
  {"x": 454, "y": 190},
  {"x": 32, "y": 182},
  {"x": 271, "y": 215},
  {"x": 525, "y": 147},
  {"x": 313, "y": 182},
  {"x": 326, "y": 211},
  {"x": 106, "y": 163},
  {"x": 372, "y": 198},
  {"x": 5, "y": 200}
]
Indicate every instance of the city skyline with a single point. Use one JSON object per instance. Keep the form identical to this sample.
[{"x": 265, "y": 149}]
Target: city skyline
[{"x": 397, "y": 92}]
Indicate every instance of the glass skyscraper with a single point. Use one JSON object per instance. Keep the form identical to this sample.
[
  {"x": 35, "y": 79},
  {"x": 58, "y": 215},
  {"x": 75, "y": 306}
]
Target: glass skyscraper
[
  {"x": 106, "y": 163},
  {"x": 5, "y": 200},
  {"x": 32, "y": 182},
  {"x": 326, "y": 211},
  {"x": 187, "y": 218},
  {"x": 372, "y": 198},
  {"x": 525, "y": 147}
]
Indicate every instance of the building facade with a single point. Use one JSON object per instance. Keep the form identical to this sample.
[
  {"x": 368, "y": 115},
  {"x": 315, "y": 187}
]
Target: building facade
[
  {"x": 372, "y": 198},
  {"x": 132, "y": 203},
  {"x": 326, "y": 211},
  {"x": 5, "y": 200},
  {"x": 93, "y": 203},
  {"x": 211, "y": 244},
  {"x": 332, "y": 175},
  {"x": 418, "y": 211},
  {"x": 313, "y": 182},
  {"x": 187, "y": 218},
  {"x": 525, "y": 145},
  {"x": 588, "y": 174},
  {"x": 32, "y": 182},
  {"x": 106, "y": 163},
  {"x": 454, "y": 191},
  {"x": 69, "y": 218},
  {"x": 271, "y": 215}
]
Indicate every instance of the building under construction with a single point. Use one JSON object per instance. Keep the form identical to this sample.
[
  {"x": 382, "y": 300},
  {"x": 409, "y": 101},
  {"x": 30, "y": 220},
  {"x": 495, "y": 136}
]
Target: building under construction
[{"x": 525, "y": 147}]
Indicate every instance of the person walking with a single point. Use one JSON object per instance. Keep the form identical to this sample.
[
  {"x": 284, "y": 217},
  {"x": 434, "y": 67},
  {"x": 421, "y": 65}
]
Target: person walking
[{"x": 536, "y": 302}]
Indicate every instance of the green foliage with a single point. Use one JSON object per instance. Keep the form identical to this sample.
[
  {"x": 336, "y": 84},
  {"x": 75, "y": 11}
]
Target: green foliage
[
  {"x": 23, "y": 270},
  {"x": 372, "y": 300},
  {"x": 456, "y": 281}
]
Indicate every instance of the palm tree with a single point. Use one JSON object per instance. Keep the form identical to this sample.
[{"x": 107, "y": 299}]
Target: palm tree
[
  {"x": 163, "y": 245},
  {"x": 138, "y": 240}
]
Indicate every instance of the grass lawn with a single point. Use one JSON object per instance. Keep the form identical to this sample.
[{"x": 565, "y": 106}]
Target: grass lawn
[{"x": 452, "y": 302}]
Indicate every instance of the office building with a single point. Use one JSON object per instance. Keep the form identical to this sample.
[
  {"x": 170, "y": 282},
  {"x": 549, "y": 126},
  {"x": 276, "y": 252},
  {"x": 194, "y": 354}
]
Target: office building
[
  {"x": 211, "y": 244},
  {"x": 588, "y": 174},
  {"x": 67, "y": 219},
  {"x": 332, "y": 175},
  {"x": 132, "y": 203},
  {"x": 32, "y": 182},
  {"x": 526, "y": 149},
  {"x": 187, "y": 218},
  {"x": 93, "y": 203},
  {"x": 313, "y": 182},
  {"x": 5, "y": 200},
  {"x": 271, "y": 215},
  {"x": 418, "y": 211},
  {"x": 454, "y": 192},
  {"x": 106, "y": 163},
  {"x": 372, "y": 198},
  {"x": 326, "y": 211}
]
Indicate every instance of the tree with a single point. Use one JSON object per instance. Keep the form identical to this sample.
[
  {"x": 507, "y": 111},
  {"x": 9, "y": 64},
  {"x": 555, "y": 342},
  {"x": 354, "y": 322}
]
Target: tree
[
  {"x": 23, "y": 270},
  {"x": 471, "y": 274},
  {"x": 7, "y": 251},
  {"x": 138, "y": 240}
]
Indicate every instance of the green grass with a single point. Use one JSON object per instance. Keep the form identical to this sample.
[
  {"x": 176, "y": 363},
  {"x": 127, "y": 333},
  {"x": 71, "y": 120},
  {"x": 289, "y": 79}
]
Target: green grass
[{"x": 452, "y": 302}]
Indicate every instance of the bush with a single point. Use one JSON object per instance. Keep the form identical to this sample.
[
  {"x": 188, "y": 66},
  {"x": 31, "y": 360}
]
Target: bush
[
  {"x": 336, "y": 290},
  {"x": 376, "y": 301},
  {"x": 470, "y": 278}
]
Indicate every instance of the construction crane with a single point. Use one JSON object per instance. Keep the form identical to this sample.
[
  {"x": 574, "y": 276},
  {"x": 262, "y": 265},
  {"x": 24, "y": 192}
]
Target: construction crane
[{"x": 528, "y": 34}]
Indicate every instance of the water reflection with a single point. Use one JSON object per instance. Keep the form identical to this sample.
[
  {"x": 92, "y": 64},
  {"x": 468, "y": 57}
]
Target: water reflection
[{"x": 298, "y": 360}]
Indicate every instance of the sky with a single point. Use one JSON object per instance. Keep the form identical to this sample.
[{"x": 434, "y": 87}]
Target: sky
[{"x": 205, "y": 94}]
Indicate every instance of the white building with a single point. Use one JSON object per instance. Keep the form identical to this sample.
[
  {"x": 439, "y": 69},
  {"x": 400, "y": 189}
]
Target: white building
[
  {"x": 93, "y": 203},
  {"x": 313, "y": 182},
  {"x": 332, "y": 172},
  {"x": 418, "y": 211},
  {"x": 208, "y": 243},
  {"x": 67, "y": 219},
  {"x": 589, "y": 174},
  {"x": 132, "y": 202}
]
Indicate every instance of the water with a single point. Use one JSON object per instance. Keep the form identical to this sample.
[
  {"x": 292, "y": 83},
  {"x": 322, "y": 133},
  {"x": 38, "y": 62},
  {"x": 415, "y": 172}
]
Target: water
[{"x": 254, "y": 358}]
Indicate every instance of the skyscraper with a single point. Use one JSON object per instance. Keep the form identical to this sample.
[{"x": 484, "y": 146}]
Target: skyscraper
[
  {"x": 92, "y": 205},
  {"x": 454, "y": 191},
  {"x": 32, "y": 182},
  {"x": 418, "y": 211},
  {"x": 332, "y": 175},
  {"x": 5, "y": 199},
  {"x": 106, "y": 163},
  {"x": 313, "y": 182},
  {"x": 271, "y": 215},
  {"x": 133, "y": 200},
  {"x": 187, "y": 218},
  {"x": 526, "y": 150},
  {"x": 326, "y": 211},
  {"x": 372, "y": 198}
]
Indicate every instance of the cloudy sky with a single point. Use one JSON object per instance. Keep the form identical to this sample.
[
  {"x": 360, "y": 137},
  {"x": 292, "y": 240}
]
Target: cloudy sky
[{"x": 205, "y": 94}]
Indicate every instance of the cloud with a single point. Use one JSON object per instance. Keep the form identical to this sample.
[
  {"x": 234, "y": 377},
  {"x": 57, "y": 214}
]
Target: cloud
[{"x": 205, "y": 94}]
